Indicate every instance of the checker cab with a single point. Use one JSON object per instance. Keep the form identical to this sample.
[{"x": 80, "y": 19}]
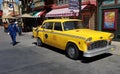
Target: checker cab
[{"x": 71, "y": 36}]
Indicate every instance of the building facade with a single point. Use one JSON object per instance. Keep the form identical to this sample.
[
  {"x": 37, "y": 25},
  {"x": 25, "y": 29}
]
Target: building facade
[
  {"x": 35, "y": 7},
  {"x": 63, "y": 9},
  {"x": 10, "y": 9},
  {"x": 109, "y": 16}
]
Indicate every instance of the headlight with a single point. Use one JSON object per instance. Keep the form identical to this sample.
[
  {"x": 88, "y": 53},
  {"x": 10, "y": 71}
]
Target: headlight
[
  {"x": 111, "y": 36},
  {"x": 89, "y": 40}
]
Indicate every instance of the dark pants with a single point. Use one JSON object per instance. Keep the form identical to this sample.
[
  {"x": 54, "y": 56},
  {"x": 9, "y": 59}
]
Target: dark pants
[
  {"x": 13, "y": 37},
  {"x": 19, "y": 30}
]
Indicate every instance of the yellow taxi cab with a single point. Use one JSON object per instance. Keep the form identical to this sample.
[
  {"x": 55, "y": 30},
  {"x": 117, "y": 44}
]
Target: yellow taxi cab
[{"x": 71, "y": 36}]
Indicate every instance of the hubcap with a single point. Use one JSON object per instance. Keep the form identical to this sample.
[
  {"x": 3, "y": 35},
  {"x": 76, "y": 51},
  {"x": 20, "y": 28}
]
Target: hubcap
[
  {"x": 71, "y": 52},
  {"x": 39, "y": 41}
]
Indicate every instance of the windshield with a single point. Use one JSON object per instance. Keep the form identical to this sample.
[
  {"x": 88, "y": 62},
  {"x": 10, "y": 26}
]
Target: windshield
[{"x": 71, "y": 25}]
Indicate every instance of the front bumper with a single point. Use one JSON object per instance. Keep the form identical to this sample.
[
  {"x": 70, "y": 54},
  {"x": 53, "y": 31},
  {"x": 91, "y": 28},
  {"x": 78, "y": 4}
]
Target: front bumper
[{"x": 98, "y": 51}]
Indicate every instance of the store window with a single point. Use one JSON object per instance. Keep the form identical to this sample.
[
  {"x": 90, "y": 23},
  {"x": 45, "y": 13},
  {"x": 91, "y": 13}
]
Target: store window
[
  {"x": 108, "y": 2},
  {"x": 61, "y": 2}
]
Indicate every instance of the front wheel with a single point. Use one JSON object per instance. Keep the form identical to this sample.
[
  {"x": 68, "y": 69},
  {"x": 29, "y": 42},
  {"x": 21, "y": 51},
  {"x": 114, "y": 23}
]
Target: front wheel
[
  {"x": 72, "y": 51},
  {"x": 39, "y": 42}
]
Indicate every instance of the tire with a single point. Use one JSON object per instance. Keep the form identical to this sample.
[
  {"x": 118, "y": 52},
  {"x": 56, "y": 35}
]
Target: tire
[
  {"x": 39, "y": 42},
  {"x": 72, "y": 51}
]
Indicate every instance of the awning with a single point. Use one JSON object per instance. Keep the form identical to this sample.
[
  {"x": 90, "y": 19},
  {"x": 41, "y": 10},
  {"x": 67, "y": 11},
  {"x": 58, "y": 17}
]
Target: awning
[
  {"x": 8, "y": 17},
  {"x": 38, "y": 14},
  {"x": 64, "y": 12},
  {"x": 25, "y": 16}
]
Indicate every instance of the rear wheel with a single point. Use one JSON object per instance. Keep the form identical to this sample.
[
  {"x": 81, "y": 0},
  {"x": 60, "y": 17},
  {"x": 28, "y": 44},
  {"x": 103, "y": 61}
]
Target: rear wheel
[
  {"x": 72, "y": 51},
  {"x": 39, "y": 42}
]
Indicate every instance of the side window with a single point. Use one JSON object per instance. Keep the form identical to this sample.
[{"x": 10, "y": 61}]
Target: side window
[
  {"x": 48, "y": 25},
  {"x": 58, "y": 26}
]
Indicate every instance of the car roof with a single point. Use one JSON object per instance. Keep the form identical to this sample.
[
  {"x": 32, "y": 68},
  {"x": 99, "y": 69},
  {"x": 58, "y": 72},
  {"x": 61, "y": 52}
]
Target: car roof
[{"x": 61, "y": 20}]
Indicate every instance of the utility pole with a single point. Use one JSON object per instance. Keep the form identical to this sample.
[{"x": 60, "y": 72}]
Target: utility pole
[{"x": 80, "y": 15}]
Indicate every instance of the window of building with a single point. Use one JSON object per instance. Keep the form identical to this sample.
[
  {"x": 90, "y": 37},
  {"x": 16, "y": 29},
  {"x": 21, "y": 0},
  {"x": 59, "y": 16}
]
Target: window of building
[
  {"x": 61, "y": 2},
  {"x": 108, "y": 2}
]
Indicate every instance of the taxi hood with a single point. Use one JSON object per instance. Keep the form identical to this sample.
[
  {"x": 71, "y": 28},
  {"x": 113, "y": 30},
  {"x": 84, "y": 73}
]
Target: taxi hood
[{"x": 87, "y": 33}]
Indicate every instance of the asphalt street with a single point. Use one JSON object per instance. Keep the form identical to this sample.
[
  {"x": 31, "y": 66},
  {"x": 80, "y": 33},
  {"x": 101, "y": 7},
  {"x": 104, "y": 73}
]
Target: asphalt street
[{"x": 27, "y": 58}]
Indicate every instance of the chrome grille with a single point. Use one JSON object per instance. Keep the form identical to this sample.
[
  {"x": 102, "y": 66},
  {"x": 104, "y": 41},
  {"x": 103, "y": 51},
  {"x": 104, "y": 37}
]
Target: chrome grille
[{"x": 97, "y": 44}]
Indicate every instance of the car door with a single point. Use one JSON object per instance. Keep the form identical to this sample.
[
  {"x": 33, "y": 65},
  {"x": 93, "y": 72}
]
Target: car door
[
  {"x": 48, "y": 33},
  {"x": 58, "y": 37}
]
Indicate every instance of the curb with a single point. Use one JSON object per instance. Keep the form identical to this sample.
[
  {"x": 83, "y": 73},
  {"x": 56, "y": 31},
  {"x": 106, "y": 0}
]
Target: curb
[{"x": 117, "y": 50}]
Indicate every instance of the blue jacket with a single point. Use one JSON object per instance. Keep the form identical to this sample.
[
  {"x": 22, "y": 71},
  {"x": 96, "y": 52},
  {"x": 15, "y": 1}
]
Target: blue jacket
[{"x": 12, "y": 29}]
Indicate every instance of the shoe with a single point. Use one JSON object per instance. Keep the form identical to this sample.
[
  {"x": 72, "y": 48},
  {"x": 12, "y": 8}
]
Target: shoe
[{"x": 14, "y": 43}]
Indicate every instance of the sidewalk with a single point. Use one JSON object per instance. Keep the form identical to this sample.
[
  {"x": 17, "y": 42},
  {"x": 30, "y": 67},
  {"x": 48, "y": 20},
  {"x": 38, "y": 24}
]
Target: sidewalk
[
  {"x": 24, "y": 40},
  {"x": 117, "y": 50}
]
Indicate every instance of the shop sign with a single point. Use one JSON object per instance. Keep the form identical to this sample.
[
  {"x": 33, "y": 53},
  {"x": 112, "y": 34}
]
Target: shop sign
[
  {"x": 73, "y": 4},
  {"x": 109, "y": 19}
]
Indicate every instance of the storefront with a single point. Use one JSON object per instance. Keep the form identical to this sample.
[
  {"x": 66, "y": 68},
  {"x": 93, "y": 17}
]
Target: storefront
[
  {"x": 88, "y": 13},
  {"x": 109, "y": 17},
  {"x": 32, "y": 20}
]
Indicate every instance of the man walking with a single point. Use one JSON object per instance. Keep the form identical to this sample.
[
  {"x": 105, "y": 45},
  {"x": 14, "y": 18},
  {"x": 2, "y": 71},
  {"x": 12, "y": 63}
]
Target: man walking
[{"x": 12, "y": 30}]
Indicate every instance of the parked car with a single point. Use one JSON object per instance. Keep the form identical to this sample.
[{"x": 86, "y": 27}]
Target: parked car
[{"x": 71, "y": 36}]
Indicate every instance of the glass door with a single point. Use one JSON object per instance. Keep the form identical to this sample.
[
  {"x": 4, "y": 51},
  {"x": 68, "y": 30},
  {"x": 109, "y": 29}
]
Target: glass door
[{"x": 118, "y": 25}]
